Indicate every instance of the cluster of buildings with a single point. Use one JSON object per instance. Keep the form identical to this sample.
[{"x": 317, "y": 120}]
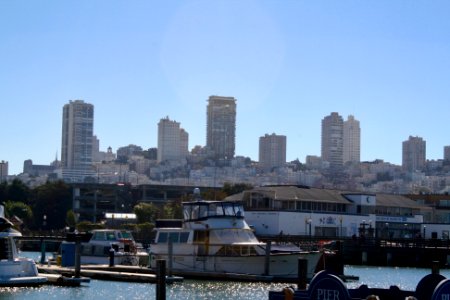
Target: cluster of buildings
[{"x": 171, "y": 162}]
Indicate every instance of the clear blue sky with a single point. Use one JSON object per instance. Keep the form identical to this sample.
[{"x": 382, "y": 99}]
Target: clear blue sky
[{"x": 288, "y": 64}]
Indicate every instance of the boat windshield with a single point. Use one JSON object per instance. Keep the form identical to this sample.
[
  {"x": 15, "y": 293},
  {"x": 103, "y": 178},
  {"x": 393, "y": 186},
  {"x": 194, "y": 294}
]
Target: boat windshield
[
  {"x": 126, "y": 235},
  {"x": 203, "y": 210}
]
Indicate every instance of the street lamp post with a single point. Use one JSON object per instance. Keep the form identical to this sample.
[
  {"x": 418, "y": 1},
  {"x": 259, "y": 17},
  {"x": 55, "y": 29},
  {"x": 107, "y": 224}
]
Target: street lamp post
[
  {"x": 424, "y": 231},
  {"x": 44, "y": 221},
  {"x": 309, "y": 221}
]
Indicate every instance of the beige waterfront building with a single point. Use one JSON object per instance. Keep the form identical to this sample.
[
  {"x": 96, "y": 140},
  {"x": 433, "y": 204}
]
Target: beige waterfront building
[
  {"x": 352, "y": 140},
  {"x": 272, "y": 151}
]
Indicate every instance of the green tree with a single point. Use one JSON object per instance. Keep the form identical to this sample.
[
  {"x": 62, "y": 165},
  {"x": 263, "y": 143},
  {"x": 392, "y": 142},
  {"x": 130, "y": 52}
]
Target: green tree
[
  {"x": 3, "y": 192},
  {"x": 18, "y": 191},
  {"x": 146, "y": 212},
  {"x": 172, "y": 210},
  {"x": 71, "y": 219},
  {"x": 18, "y": 209},
  {"x": 231, "y": 189},
  {"x": 51, "y": 200}
]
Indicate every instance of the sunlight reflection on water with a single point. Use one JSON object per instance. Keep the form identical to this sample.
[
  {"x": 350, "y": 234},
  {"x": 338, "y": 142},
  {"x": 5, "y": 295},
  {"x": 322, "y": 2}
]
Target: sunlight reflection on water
[{"x": 380, "y": 277}]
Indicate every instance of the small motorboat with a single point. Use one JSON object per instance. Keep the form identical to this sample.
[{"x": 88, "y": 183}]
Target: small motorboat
[{"x": 121, "y": 242}]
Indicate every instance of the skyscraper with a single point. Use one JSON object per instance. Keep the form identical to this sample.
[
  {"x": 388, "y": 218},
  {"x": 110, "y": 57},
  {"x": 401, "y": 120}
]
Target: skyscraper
[
  {"x": 332, "y": 140},
  {"x": 172, "y": 141},
  {"x": 221, "y": 126},
  {"x": 3, "y": 170},
  {"x": 413, "y": 154},
  {"x": 272, "y": 151},
  {"x": 352, "y": 140},
  {"x": 77, "y": 138},
  {"x": 447, "y": 153}
]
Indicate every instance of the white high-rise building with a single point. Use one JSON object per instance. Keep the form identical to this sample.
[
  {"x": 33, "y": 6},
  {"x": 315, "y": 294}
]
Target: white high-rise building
[
  {"x": 332, "y": 140},
  {"x": 414, "y": 154},
  {"x": 221, "y": 126},
  {"x": 352, "y": 140},
  {"x": 272, "y": 151},
  {"x": 77, "y": 140},
  {"x": 172, "y": 141}
]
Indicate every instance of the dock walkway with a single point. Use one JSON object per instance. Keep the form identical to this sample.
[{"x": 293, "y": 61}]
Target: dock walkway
[{"x": 103, "y": 272}]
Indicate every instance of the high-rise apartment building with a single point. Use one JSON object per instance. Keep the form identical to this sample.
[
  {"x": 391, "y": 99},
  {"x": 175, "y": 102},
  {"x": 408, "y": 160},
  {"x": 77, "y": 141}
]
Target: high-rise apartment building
[
  {"x": 413, "y": 154},
  {"x": 447, "y": 153},
  {"x": 77, "y": 139},
  {"x": 332, "y": 140},
  {"x": 172, "y": 141},
  {"x": 272, "y": 151},
  {"x": 352, "y": 140},
  {"x": 3, "y": 170},
  {"x": 221, "y": 126}
]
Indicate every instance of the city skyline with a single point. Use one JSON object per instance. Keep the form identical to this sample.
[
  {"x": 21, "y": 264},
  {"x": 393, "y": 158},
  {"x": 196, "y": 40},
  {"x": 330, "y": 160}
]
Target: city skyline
[{"x": 287, "y": 66}]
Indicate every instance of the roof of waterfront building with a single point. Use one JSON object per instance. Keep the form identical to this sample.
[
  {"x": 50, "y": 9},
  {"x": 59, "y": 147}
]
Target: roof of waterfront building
[
  {"x": 303, "y": 193},
  {"x": 295, "y": 193},
  {"x": 397, "y": 201}
]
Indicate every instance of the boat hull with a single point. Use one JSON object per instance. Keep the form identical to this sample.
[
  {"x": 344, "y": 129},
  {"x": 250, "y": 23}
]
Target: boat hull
[
  {"x": 20, "y": 272},
  {"x": 119, "y": 259},
  {"x": 281, "y": 265}
]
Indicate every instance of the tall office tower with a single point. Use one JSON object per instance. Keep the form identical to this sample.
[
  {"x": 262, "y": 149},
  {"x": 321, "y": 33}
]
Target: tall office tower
[
  {"x": 447, "y": 153},
  {"x": 172, "y": 141},
  {"x": 221, "y": 126},
  {"x": 352, "y": 140},
  {"x": 332, "y": 140},
  {"x": 77, "y": 137},
  {"x": 414, "y": 154},
  {"x": 3, "y": 170},
  {"x": 272, "y": 151}
]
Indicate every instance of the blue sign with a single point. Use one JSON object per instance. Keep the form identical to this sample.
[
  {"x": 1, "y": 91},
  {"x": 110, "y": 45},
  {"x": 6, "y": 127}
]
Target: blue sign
[
  {"x": 442, "y": 291},
  {"x": 325, "y": 286}
]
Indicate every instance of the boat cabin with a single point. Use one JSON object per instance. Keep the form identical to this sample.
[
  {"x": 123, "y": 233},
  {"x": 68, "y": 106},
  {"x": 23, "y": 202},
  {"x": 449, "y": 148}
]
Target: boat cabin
[{"x": 202, "y": 210}]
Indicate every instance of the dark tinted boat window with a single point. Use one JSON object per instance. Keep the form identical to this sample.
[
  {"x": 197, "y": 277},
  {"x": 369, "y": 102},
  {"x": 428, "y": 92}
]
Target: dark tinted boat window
[
  {"x": 184, "y": 237},
  {"x": 162, "y": 238}
]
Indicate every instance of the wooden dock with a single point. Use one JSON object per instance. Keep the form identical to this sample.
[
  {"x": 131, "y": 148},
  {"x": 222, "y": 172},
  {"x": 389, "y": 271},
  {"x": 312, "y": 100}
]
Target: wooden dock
[
  {"x": 60, "y": 280},
  {"x": 103, "y": 272}
]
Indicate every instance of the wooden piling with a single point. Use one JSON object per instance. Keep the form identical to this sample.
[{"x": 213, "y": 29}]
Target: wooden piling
[
  {"x": 160, "y": 279},
  {"x": 267, "y": 260},
  {"x": 170, "y": 253},
  {"x": 435, "y": 267},
  {"x": 302, "y": 273},
  {"x": 111, "y": 257},
  {"x": 77, "y": 257},
  {"x": 42, "y": 251}
]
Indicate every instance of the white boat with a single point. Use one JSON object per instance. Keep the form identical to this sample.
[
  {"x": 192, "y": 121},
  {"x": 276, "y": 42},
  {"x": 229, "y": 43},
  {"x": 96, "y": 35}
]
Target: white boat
[
  {"x": 15, "y": 270},
  {"x": 121, "y": 242},
  {"x": 213, "y": 237}
]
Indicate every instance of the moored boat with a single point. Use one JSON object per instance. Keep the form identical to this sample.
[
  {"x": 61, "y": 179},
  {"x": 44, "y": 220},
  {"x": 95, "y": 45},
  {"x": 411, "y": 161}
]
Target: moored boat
[
  {"x": 15, "y": 270},
  {"x": 121, "y": 242},
  {"x": 213, "y": 237}
]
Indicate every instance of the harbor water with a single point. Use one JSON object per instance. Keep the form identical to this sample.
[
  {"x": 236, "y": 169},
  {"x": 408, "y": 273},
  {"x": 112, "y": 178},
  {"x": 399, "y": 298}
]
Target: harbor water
[{"x": 380, "y": 277}]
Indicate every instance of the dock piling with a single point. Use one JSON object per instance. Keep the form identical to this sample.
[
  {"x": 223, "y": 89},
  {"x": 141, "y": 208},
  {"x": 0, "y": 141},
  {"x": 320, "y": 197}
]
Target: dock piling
[
  {"x": 267, "y": 260},
  {"x": 170, "y": 252},
  {"x": 111, "y": 257},
  {"x": 435, "y": 267},
  {"x": 77, "y": 257},
  {"x": 160, "y": 279},
  {"x": 43, "y": 251},
  {"x": 302, "y": 273}
]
